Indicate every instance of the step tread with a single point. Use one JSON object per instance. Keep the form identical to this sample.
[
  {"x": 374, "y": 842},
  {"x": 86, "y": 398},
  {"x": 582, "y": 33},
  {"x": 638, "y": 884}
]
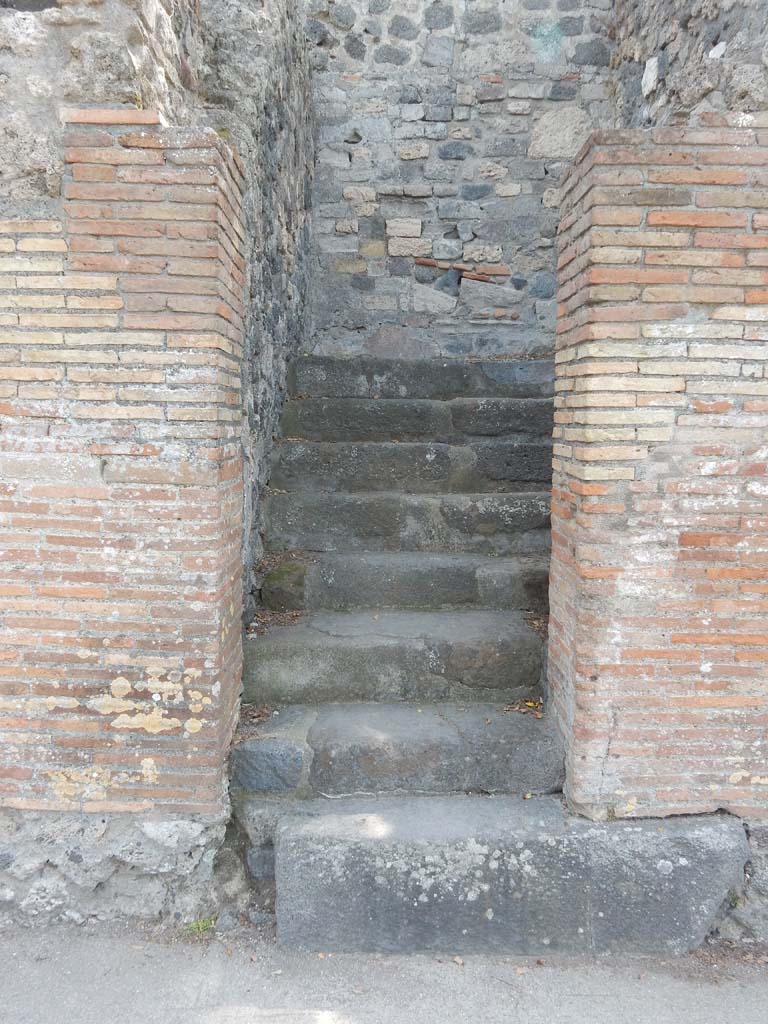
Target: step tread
[
  {"x": 453, "y": 420},
  {"x": 492, "y": 523},
  {"x": 370, "y": 656},
  {"x": 332, "y": 628},
  {"x": 472, "y": 874},
  {"x": 412, "y": 466},
  {"x": 360, "y": 376},
  {"x": 371, "y": 748}
]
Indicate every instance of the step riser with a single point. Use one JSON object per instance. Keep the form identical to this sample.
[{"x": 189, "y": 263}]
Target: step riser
[
  {"x": 344, "y": 584},
  {"x": 379, "y": 749},
  {"x": 343, "y": 419},
  {"x": 511, "y": 878},
  {"x": 279, "y": 672},
  {"x": 494, "y": 524},
  {"x": 323, "y": 377},
  {"x": 411, "y": 468}
]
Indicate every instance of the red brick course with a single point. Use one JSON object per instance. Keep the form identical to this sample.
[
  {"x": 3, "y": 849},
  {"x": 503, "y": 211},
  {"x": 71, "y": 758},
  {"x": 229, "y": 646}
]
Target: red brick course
[
  {"x": 659, "y": 633},
  {"x": 121, "y": 342}
]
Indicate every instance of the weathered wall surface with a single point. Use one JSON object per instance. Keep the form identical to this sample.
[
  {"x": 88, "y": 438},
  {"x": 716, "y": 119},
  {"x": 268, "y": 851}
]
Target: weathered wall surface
[
  {"x": 256, "y": 89},
  {"x": 659, "y": 629},
  {"x": 121, "y": 652},
  {"x": 444, "y": 129},
  {"x": 104, "y": 52},
  {"x": 122, "y": 504},
  {"x": 673, "y": 57},
  {"x": 234, "y": 65}
]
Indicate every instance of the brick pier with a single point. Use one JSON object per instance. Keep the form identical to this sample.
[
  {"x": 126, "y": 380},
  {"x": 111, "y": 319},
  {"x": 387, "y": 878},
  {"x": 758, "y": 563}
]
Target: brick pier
[
  {"x": 121, "y": 496},
  {"x": 659, "y": 634}
]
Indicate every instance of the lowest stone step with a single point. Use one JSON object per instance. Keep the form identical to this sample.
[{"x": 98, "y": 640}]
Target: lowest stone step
[
  {"x": 500, "y": 875},
  {"x": 371, "y": 656}
]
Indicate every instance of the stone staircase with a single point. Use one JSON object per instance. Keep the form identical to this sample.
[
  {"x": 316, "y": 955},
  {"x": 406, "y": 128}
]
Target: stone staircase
[{"x": 395, "y": 775}]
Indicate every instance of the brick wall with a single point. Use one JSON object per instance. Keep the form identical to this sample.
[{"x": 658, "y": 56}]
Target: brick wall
[
  {"x": 121, "y": 475},
  {"x": 659, "y": 586}
]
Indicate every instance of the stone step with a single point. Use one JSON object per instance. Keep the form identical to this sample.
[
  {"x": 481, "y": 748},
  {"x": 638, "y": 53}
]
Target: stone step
[
  {"x": 407, "y": 581},
  {"x": 494, "y": 524},
  {"x": 500, "y": 875},
  {"x": 412, "y": 581},
  {"x": 419, "y": 468},
  {"x": 390, "y": 656},
  {"x": 395, "y": 419},
  {"x": 346, "y": 749},
  {"x": 371, "y": 377}
]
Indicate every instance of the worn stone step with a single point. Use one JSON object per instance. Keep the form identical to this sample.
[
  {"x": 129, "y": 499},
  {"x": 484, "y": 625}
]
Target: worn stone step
[
  {"x": 414, "y": 468},
  {"x": 500, "y": 875},
  {"x": 389, "y": 656},
  {"x": 371, "y": 377},
  {"x": 407, "y": 581},
  {"x": 365, "y": 419},
  {"x": 494, "y": 524},
  {"x": 343, "y": 749}
]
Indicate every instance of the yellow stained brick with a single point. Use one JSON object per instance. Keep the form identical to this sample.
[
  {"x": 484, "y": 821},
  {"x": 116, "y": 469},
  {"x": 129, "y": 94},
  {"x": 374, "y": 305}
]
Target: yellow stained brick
[
  {"x": 635, "y": 415},
  {"x": 40, "y": 392},
  {"x": 611, "y": 453},
  {"x": 30, "y": 265},
  {"x": 31, "y": 301},
  {"x": 127, "y": 338},
  {"x": 721, "y": 351},
  {"x": 69, "y": 355},
  {"x": 630, "y": 349},
  {"x": 67, "y": 320},
  {"x": 657, "y": 434},
  {"x": 30, "y": 227},
  {"x": 116, "y": 375},
  {"x": 639, "y": 383},
  {"x": 29, "y": 373},
  {"x": 614, "y": 400},
  {"x": 70, "y": 282},
  {"x": 87, "y": 410},
  {"x": 591, "y": 472},
  {"x": 41, "y": 245},
  {"x": 31, "y": 338},
  {"x": 754, "y": 313},
  {"x": 94, "y": 302},
  {"x": 600, "y": 366},
  {"x": 614, "y": 254},
  {"x": 599, "y": 434},
  {"x": 690, "y": 368},
  {"x": 692, "y": 331}
]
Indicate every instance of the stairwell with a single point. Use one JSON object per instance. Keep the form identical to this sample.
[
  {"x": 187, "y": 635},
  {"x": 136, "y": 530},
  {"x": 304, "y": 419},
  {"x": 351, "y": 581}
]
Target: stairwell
[{"x": 396, "y": 775}]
